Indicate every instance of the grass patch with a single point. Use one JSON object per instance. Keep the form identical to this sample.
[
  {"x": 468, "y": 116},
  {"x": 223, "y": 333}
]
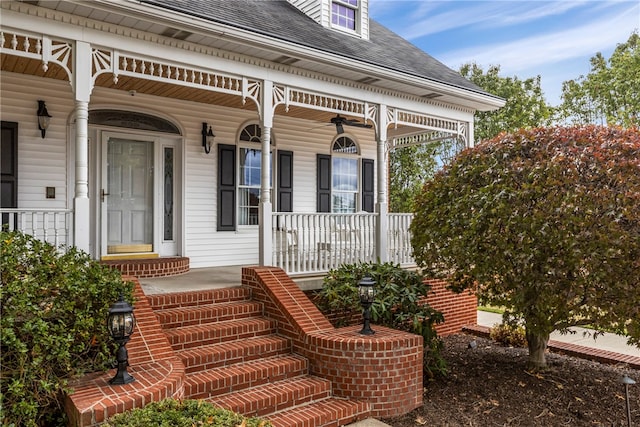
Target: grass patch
[{"x": 491, "y": 309}]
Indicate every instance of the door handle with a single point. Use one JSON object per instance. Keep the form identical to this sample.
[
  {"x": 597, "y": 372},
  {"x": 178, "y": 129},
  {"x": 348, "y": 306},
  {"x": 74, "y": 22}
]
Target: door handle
[{"x": 102, "y": 194}]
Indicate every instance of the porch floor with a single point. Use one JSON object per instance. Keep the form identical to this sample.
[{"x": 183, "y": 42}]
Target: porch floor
[
  {"x": 214, "y": 278},
  {"x": 195, "y": 279}
]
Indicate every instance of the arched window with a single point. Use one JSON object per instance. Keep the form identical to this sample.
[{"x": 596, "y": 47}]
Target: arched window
[
  {"x": 344, "y": 176},
  {"x": 240, "y": 172},
  {"x": 345, "y": 182},
  {"x": 250, "y": 171}
]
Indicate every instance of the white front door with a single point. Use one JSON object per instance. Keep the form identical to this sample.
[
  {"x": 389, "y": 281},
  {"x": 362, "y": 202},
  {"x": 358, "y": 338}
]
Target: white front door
[
  {"x": 129, "y": 196},
  {"x": 138, "y": 195}
]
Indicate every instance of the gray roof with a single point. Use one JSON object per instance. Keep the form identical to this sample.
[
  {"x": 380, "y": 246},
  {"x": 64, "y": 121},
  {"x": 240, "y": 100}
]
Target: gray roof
[{"x": 281, "y": 20}]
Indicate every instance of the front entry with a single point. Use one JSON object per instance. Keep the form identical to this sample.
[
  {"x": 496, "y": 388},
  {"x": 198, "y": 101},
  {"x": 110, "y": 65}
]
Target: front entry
[
  {"x": 129, "y": 196},
  {"x": 139, "y": 195}
]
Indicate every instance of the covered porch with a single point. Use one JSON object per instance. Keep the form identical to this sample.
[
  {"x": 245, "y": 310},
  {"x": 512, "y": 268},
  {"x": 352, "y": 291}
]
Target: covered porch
[
  {"x": 304, "y": 244},
  {"x": 102, "y": 90}
]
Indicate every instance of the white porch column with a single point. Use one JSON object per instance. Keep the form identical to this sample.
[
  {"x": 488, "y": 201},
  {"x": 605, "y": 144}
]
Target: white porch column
[
  {"x": 382, "y": 206},
  {"x": 470, "y": 136},
  {"x": 266, "y": 123},
  {"x": 82, "y": 91}
]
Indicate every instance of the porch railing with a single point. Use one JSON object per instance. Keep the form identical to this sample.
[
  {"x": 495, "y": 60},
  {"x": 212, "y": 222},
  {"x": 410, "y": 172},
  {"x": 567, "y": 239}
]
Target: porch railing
[
  {"x": 50, "y": 225},
  {"x": 319, "y": 242},
  {"x": 399, "y": 238}
]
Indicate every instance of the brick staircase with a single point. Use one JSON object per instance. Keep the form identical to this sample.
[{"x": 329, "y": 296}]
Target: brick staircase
[{"x": 234, "y": 358}]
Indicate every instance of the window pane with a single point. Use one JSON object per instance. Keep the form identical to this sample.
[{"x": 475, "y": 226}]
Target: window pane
[
  {"x": 345, "y": 174},
  {"x": 344, "y": 184},
  {"x": 251, "y": 133},
  {"x": 344, "y": 16},
  {"x": 250, "y": 165},
  {"x": 343, "y": 202},
  {"x": 345, "y": 145},
  {"x": 248, "y": 202},
  {"x": 249, "y": 185}
]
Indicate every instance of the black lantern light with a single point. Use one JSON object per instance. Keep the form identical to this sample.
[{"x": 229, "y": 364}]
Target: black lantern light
[
  {"x": 43, "y": 118},
  {"x": 367, "y": 292},
  {"x": 121, "y": 322},
  {"x": 207, "y": 137}
]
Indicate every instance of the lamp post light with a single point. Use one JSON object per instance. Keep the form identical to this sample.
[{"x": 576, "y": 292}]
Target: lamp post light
[
  {"x": 121, "y": 322},
  {"x": 627, "y": 382},
  {"x": 367, "y": 293}
]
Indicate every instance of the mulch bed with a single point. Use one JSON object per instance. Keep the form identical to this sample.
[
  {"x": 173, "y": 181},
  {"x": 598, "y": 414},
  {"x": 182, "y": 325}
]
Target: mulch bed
[{"x": 490, "y": 385}]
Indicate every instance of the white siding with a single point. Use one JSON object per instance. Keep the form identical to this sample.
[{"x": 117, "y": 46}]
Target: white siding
[
  {"x": 306, "y": 139},
  {"x": 41, "y": 162},
  {"x": 364, "y": 19},
  {"x": 311, "y": 8}
]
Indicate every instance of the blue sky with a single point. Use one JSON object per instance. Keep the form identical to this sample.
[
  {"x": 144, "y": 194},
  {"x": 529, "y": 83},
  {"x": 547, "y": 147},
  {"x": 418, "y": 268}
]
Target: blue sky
[{"x": 553, "y": 39}]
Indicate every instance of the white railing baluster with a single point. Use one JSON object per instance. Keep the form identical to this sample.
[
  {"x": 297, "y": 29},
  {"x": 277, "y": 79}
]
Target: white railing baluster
[
  {"x": 307, "y": 243},
  {"x": 399, "y": 238},
  {"x": 50, "y": 225}
]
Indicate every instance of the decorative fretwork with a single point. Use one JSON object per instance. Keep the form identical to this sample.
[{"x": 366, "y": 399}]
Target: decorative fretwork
[
  {"x": 38, "y": 47},
  {"x": 462, "y": 132},
  {"x": 251, "y": 89},
  {"x": 448, "y": 144},
  {"x": 161, "y": 71},
  {"x": 102, "y": 62},
  {"x": 425, "y": 121},
  {"x": 372, "y": 113},
  {"x": 317, "y": 101},
  {"x": 278, "y": 95},
  {"x": 421, "y": 138},
  {"x": 391, "y": 116}
]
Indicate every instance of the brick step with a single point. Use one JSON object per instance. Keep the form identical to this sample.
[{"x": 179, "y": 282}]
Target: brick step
[
  {"x": 218, "y": 312},
  {"x": 332, "y": 412},
  {"x": 213, "y": 333},
  {"x": 228, "y": 353},
  {"x": 270, "y": 398},
  {"x": 195, "y": 298},
  {"x": 241, "y": 376}
]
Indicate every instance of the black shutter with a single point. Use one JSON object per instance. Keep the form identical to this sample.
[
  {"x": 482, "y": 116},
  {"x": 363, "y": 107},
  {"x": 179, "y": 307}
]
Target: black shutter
[
  {"x": 368, "y": 193},
  {"x": 324, "y": 183},
  {"x": 226, "y": 187},
  {"x": 285, "y": 181},
  {"x": 9, "y": 168}
]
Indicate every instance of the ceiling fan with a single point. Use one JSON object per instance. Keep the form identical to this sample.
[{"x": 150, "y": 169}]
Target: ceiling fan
[{"x": 339, "y": 121}]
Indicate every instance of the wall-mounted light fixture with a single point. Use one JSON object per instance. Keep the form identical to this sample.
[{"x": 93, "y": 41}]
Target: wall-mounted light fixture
[
  {"x": 43, "y": 118},
  {"x": 207, "y": 137}
]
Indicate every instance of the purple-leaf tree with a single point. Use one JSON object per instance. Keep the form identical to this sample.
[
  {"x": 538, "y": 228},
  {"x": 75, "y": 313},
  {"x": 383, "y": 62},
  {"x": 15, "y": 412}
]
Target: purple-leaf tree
[{"x": 544, "y": 222}]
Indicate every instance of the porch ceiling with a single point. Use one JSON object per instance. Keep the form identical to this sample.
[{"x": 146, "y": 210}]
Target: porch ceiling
[
  {"x": 21, "y": 65},
  {"x": 113, "y": 13}
]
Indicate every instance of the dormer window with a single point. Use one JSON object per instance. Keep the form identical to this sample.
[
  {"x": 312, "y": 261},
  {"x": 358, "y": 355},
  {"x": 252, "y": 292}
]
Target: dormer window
[{"x": 344, "y": 14}]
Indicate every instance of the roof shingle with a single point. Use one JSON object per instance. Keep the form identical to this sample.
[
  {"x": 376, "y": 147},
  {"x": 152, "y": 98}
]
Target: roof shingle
[{"x": 281, "y": 20}]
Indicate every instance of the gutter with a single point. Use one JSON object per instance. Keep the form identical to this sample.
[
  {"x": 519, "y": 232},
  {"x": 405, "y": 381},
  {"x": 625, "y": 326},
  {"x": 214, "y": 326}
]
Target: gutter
[{"x": 137, "y": 8}]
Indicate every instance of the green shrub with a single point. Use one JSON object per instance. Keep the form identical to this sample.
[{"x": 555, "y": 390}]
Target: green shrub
[
  {"x": 185, "y": 413},
  {"x": 400, "y": 303},
  {"x": 508, "y": 334},
  {"x": 53, "y": 325}
]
